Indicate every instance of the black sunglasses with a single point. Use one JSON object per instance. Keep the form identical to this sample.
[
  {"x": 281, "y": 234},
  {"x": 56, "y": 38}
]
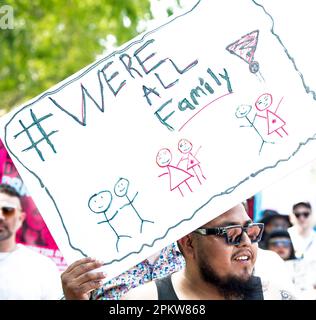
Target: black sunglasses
[
  {"x": 8, "y": 210},
  {"x": 280, "y": 243},
  {"x": 305, "y": 214},
  {"x": 233, "y": 234}
]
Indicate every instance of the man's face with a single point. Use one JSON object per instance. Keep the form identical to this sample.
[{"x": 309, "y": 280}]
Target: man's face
[
  {"x": 11, "y": 216},
  {"x": 276, "y": 223},
  {"x": 303, "y": 216},
  {"x": 227, "y": 261},
  {"x": 282, "y": 246}
]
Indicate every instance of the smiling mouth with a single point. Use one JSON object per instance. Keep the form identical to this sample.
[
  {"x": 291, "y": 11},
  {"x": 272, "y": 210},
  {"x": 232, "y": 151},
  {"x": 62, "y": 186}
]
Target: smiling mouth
[{"x": 242, "y": 258}]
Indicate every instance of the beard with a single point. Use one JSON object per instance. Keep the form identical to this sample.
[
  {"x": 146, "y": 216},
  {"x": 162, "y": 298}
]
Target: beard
[
  {"x": 231, "y": 287},
  {"x": 5, "y": 233}
]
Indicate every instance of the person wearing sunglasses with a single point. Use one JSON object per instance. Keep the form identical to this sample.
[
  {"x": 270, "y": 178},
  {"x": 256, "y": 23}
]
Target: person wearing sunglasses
[
  {"x": 273, "y": 220},
  {"x": 24, "y": 273},
  {"x": 280, "y": 242},
  {"x": 302, "y": 273},
  {"x": 302, "y": 233},
  {"x": 303, "y": 237},
  {"x": 219, "y": 265}
]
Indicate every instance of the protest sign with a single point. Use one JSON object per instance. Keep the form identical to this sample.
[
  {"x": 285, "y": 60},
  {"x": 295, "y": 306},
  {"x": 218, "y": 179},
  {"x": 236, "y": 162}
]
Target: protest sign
[{"x": 173, "y": 128}]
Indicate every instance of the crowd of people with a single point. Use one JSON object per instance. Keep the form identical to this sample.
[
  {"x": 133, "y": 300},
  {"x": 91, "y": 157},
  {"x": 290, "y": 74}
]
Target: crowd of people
[
  {"x": 293, "y": 238},
  {"x": 230, "y": 257}
]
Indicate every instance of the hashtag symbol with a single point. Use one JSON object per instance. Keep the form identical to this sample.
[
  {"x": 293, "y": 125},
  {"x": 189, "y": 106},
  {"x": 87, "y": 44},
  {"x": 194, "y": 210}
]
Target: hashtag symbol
[{"x": 45, "y": 136}]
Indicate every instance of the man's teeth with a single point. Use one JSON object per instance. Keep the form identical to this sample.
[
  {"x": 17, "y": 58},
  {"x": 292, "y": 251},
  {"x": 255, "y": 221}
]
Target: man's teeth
[{"x": 242, "y": 258}]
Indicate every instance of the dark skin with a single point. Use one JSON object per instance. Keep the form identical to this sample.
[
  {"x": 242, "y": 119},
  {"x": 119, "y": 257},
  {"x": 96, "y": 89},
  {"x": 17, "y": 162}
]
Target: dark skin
[{"x": 216, "y": 253}]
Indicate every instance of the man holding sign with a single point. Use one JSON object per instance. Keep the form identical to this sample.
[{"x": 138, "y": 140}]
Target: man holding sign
[
  {"x": 220, "y": 258},
  {"x": 132, "y": 110}
]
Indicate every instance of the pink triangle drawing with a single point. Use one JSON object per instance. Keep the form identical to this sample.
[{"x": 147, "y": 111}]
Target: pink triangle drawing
[
  {"x": 274, "y": 122},
  {"x": 177, "y": 176},
  {"x": 245, "y": 49}
]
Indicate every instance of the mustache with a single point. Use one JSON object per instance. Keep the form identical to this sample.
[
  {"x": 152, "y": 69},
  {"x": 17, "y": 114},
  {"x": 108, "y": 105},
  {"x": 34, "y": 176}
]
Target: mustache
[{"x": 3, "y": 225}]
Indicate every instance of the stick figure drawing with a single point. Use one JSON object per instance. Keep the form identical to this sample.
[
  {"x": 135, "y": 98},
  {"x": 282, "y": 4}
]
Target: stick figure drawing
[
  {"x": 191, "y": 162},
  {"x": 177, "y": 176},
  {"x": 121, "y": 190},
  {"x": 101, "y": 203},
  {"x": 243, "y": 111},
  {"x": 274, "y": 122}
]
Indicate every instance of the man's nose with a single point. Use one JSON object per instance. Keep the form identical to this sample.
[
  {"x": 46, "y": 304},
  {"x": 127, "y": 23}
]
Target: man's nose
[
  {"x": 1, "y": 215},
  {"x": 245, "y": 240}
]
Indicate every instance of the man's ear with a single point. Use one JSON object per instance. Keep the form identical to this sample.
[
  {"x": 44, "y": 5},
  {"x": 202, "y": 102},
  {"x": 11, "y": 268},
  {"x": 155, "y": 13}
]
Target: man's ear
[
  {"x": 187, "y": 245},
  {"x": 22, "y": 217}
]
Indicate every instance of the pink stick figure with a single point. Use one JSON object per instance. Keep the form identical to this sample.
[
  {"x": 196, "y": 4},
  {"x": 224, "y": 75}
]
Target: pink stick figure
[
  {"x": 185, "y": 147},
  {"x": 274, "y": 122},
  {"x": 177, "y": 176}
]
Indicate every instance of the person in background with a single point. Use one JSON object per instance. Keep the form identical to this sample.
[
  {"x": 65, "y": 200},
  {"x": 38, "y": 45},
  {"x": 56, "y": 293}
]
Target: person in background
[
  {"x": 24, "y": 273},
  {"x": 303, "y": 237},
  {"x": 302, "y": 233},
  {"x": 280, "y": 242},
  {"x": 269, "y": 266},
  {"x": 302, "y": 273},
  {"x": 273, "y": 220}
]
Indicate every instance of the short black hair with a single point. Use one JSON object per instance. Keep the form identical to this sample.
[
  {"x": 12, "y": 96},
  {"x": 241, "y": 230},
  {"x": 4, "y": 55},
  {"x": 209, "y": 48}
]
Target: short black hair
[
  {"x": 303, "y": 204},
  {"x": 10, "y": 191}
]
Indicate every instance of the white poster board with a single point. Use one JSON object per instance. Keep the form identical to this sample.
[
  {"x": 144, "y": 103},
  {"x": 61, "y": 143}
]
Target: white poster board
[{"x": 170, "y": 130}]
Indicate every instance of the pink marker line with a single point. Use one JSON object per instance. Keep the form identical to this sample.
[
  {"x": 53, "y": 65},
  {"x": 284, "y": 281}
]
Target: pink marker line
[
  {"x": 278, "y": 105},
  {"x": 203, "y": 109}
]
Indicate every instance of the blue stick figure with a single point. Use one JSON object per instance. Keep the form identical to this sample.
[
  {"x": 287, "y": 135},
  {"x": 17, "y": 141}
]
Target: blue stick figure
[
  {"x": 100, "y": 203},
  {"x": 243, "y": 111},
  {"x": 121, "y": 189}
]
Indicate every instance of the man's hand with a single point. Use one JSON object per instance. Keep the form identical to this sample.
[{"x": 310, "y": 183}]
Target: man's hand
[{"x": 78, "y": 281}]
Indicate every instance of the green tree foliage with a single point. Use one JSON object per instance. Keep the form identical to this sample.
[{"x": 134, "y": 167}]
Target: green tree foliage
[{"x": 53, "y": 39}]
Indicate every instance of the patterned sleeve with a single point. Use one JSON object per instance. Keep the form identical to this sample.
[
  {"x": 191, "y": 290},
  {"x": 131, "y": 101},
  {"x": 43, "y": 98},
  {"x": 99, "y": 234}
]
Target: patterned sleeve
[{"x": 170, "y": 260}]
